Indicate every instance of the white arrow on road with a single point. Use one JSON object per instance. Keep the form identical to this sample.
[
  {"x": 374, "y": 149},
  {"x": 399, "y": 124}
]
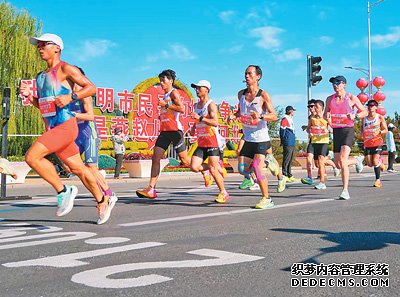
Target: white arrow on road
[{"x": 99, "y": 278}]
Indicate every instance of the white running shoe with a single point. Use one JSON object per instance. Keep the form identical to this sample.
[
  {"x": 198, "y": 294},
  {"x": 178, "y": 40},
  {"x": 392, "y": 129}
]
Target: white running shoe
[
  {"x": 336, "y": 171},
  {"x": 65, "y": 201},
  {"x": 345, "y": 195},
  {"x": 359, "y": 165},
  {"x": 254, "y": 187},
  {"x": 105, "y": 209}
]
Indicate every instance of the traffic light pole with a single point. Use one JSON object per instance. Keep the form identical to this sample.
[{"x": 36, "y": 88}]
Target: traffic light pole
[
  {"x": 4, "y": 143},
  {"x": 308, "y": 78},
  {"x": 4, "y": 134}
]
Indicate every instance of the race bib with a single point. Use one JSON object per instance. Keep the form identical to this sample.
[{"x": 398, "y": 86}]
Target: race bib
[
  {"x": 317, "y": 130},
  {"x": 47, "y": 106},
  {"x": 339, "y": 119},
  {"x": 248, "y": 121}
]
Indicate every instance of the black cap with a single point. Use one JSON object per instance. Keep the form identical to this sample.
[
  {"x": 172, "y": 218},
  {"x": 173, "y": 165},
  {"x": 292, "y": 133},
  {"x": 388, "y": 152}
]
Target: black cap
[
  {"x": 338, "y": 78},
  {"x": 118, "y": 129},
  {"x": 373, "y": 101},
  {"x": 311, "y": 102},
  {"x": 289, "y": 108}
]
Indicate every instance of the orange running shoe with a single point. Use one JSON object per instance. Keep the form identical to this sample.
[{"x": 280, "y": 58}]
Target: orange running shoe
[
  {"x": 208, "y": 180},
  {"x": 223, "y": 197},
  {"x": 148, "y": 192},
  {"x": 378, "y": 184}
]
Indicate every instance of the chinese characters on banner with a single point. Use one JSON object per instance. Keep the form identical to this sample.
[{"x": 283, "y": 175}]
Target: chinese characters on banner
[{"x": 139, "y": 113}]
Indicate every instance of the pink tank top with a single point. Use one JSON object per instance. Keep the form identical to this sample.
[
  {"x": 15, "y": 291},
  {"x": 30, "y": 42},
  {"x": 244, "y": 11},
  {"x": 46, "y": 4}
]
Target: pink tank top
[{"x": 339, "y": 111}]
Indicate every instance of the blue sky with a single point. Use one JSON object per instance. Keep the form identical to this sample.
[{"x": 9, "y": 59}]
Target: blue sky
[{"x": 121, "y": 43}]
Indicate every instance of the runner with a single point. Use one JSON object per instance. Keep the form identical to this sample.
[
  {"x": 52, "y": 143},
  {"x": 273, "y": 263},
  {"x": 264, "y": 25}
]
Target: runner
[
  {"x": 171, "y": 131},
  {"x": 339, "y": 109},
  {"x": 255, "y": 110},
  {"x": 372, "y": 128},
  {"x": 206, "y": 116},
  {"x": 310, "y": 152},
  {"x": 88, "y": 140},
  {"x": 319, "y": 135},
  {"x": 55, "y": 86}
]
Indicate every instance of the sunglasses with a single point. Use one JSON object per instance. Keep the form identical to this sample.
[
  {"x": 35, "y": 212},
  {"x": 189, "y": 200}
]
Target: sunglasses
[
  {"x": 371, "y": 105},
  {"x": 337, "y": 83},
  {"x": 43, "y": 44}
]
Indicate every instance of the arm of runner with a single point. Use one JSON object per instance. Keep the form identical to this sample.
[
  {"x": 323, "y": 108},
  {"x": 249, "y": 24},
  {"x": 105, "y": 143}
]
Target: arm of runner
[
  {"x": 177, "y": 104},
  {"x": 212, "y": 118},
  {"x": 74, "y": 76},
  {"x": 327, "y": 111},
  {"x": 357, "y": 103},
  {"x": 362, "y": 129},
  {"x": 384, "y": 128},
  {"x": 88, "y": 115},
  {"x": 267, "y": 106}
]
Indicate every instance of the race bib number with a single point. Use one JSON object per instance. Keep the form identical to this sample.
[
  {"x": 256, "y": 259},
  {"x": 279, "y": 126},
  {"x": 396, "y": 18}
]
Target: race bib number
[
  {"x": 47, "y": 106},
  {"x": 339, "y": 119},
  {"x": 203, "y": 130},
  {"x": 316, "y": 130},
  {"x": 370, "y": 134},
  {"x": 248, "y": 121}
]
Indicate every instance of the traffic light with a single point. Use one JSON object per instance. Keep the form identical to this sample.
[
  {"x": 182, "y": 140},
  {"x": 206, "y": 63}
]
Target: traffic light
[{"x": 314, "y": 69}]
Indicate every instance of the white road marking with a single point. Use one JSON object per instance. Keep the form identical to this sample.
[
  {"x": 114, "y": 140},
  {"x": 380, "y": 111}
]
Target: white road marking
[
  {"x": 73, "y": 260},
  {"x": 102, "y": 277},
  {"x": 216, "y": 214}
]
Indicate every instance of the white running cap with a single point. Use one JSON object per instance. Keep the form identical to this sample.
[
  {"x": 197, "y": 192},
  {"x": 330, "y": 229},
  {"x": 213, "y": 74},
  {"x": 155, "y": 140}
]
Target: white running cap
[
  {"x": 202, "y": 83},
  {"x": 48, "y": 37}
]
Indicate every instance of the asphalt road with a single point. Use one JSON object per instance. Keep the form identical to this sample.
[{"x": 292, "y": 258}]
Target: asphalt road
[{"x": 183, "y": 244}]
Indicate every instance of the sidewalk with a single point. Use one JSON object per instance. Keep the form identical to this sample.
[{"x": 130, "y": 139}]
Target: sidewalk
[{"x": 35, "y": 180}]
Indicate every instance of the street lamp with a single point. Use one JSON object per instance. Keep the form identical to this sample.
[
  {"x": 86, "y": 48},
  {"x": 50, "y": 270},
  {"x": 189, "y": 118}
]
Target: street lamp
[
  {"x": 369, "y": 45},
  {"x": 363, "y": 70}
]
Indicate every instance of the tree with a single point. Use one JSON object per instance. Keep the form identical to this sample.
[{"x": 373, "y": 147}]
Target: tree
[{"x": 19, "y": 60}]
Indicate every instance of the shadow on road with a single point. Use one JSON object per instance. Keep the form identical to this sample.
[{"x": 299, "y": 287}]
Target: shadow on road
[{"x": 347, "y": 241}]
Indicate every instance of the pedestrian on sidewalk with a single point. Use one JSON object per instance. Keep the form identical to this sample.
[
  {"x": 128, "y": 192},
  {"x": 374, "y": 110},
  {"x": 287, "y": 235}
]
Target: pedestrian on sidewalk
[
  {"x": 391, "y": 147},
  {"x": 118, "y": 139}
]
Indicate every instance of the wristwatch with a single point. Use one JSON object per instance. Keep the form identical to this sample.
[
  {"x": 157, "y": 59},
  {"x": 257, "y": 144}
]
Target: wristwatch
[{"x": 74, "y": 96}]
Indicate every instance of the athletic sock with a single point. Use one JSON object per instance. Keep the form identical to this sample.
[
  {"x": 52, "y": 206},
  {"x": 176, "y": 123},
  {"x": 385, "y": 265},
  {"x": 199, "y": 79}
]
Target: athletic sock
[
  {"x": 108, "y": 192},
  {"x": 377, "y": 171},
  {"x": 63, "y": 190}
]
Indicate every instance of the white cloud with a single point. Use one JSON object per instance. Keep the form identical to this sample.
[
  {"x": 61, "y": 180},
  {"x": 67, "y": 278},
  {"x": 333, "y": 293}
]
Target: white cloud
[
  {"x": 93, "y": 49},
  {"x": 226, "y": 16},
  {"x": 387, "y": 40},
  {"x": 233, "y": 50},
  {"x": 268, "y": 37},
  {"x": 289, "y": 55},
  {"x": 175, "y": 51},
  {"x": 326, "y": 39}
]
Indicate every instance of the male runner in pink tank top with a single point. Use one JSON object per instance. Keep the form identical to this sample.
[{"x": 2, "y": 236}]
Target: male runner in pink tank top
[{"x": 339, "y": 109}]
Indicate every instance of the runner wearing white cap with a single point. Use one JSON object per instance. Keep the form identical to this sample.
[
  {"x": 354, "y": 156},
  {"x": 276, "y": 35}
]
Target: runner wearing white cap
[
  {"x": 206, "y": 115},
  {"x": 55, "y": 91}
]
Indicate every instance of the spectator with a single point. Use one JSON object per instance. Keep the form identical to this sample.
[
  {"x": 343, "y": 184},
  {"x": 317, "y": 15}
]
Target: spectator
[
  {"x": 118, "y": 140},
  {"x": 391, "y": 147}
]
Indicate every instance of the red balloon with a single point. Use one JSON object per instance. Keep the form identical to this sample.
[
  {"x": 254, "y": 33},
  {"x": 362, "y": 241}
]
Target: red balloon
[
  {"x": 381, "y": 110},
  {"x": 379, "y": 82},
  {"x": 363, "y": 97},
  {"x": 379, "y": 96},
  {"x": 362, "y": 83}
]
